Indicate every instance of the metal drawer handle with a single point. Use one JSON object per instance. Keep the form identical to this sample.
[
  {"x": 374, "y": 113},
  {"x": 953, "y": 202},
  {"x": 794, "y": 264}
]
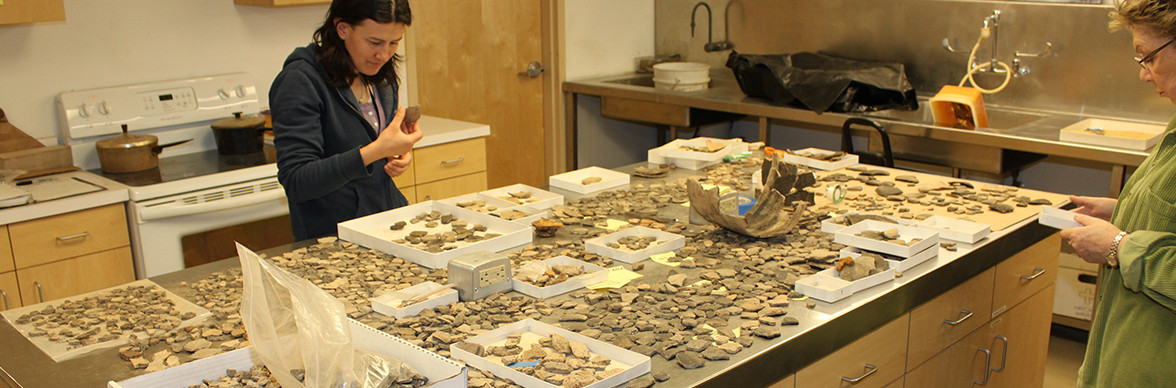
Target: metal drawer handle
[
  {"x": 1005, "y": 356},
  {"x": 79, "y": 235},
  {"x": 40, "y": 296},
  {"x": 1036, "y": 272},
  {"x": 958, "y": 321},
  {"x": 870, "y": 369},
  {"x": 987, "y": 363},
  {"x": 5, "y": 296},
  {"x": 458, "y": 160}
]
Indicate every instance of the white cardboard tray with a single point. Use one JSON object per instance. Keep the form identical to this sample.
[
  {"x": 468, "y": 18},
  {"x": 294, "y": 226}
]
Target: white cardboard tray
[
  {"x": 669, "y": 242},
  {"x": 373, "y": 232},
  {"x": 863, "y": 283},
  {"x": 61, "y": 351},
  {"x": 828, "y": 226},
  {"x": 670, "y": 153},
  {"x": 824, "y": 288},
  {"x": 1148, "y": 134},
  {"x": 955, "y": 229},
  {"x": 498, "y": 203},
  {"x": 570, "y": 180},
  {"x": 845, "y": 161},
  {"x": 389, "y": 303},
  {"x": 540, "y": 199},
  {"x": 442, "y": 372},
  {"x": 535, "y": 214},
  {"x": 1057, "y": 218},
  {"x": 848, "y": 236},
  {"x": 634, "y": 364},
  {"x": 595, "y": 274},
  {"x": 898, "y": 263}
]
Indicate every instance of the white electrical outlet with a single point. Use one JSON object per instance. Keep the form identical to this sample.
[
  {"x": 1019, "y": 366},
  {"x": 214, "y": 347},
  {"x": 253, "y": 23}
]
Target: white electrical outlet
[
  {"x": 492, "y": 275},
  {"x": 479, "y": 274}
]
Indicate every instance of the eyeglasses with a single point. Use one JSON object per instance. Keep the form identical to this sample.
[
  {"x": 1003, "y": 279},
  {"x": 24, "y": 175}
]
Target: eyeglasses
[{"x": 1147, "y": 58}]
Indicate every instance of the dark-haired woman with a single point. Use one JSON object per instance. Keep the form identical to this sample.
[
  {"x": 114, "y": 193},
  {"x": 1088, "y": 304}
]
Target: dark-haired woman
[{"x": 338, "y": 124}]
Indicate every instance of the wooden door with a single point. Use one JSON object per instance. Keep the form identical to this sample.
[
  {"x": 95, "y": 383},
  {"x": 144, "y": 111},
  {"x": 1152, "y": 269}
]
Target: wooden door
[
  {"x": 1022, "y": 351},
  {"x": 466, "y": 58}
]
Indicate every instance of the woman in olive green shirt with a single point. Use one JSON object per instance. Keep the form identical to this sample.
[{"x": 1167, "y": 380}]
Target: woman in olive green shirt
[{"x": 1133, "y": 337}]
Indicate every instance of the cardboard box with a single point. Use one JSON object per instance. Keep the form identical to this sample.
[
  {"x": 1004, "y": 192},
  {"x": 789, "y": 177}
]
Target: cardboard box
[
  {"x": 572, "y": 180},
  {"x": 1075, "y": 293},
  {"x": 668, "y": 242},
  {"x": 389, "y": 303},
  {"x": 540, "y": 199},
  {"x": 848, "y": 236}
]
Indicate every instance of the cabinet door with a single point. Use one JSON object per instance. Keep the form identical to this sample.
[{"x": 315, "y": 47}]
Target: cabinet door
[
  {"x": 409, "y": 194},
  {"x": 74, "y": 276},
  {"x": 1026, "y": 273},
  {"x": 30, "y": 11},
  {"x": 963, "y": 364},
  {"x": 408, "y": 178},
  {"x": 6, "y": 263},
  {"x": 9, "y": 293},
  {"x": 449, "y": 160},
  {"x": 464, "y": 184},
  {"x": 1021, "y": 341},
  {"x": 949, "y": 317},
  {"x": 787, "y": 382},
  {"x": 50, "y": 239},
  {"x": 875, "y": 360}
]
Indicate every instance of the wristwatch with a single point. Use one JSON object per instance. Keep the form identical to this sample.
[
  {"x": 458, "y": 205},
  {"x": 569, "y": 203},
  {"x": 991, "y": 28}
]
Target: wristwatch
[{"x": 1113, "y": 255}]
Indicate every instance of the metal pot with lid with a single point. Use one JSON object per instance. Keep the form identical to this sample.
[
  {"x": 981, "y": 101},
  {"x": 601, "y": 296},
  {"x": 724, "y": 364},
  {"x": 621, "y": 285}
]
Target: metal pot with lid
[
  {"x": 130, "y": 153},
  {"x": 239, "y": 134}
]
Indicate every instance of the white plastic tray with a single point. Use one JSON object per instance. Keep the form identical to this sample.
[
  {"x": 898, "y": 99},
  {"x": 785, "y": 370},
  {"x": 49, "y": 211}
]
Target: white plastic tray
[
  {"x": 373, "y": 232},
  {"x": 671, "y": 153},
  {"x": 848, "y": 236},
  {"x": 535, "y": 214},
  {"x": 863, "y": 283},
  {"x": 845, "y": 161},
  {"x": 1057, "y": 218},
  {"x": 540, "y": 199},
  {"x": 632, "y": 364},
  {"x": 898, "y": 263},
  {"x": 955, "y": 229},
  {"x": 828, "y": 226},
  {"x": 824, "y": 288},
  {"x": 570, "y": 180},
  {"x": 389, "y": 303},
  {"x": 668, "y": 242},
  {"x": 595, "y": 274},
  {"x": 497, "y": 203},
  {"x": 1144, "y": 135}
]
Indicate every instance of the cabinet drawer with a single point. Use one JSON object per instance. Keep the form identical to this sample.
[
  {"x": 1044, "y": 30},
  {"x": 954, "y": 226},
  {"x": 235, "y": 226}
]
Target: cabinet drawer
[
  {"x": 452, "y": 187},
  {"x": 448, "y": 160},
  {"x": 787, "y": 382},
  {"x": 58, "y": 237},
  {"x": 409, "y": 193},
  {"x": 9, "y": 292},
  {"x": 1026, "y": 273},
  {"x": 6, "y": 263},
  {"x": 884, "y": 351},
  {"x": 963, "y": 364},
  {"x": 930, "y": 325},
  {"x": 75, "y": 276}
]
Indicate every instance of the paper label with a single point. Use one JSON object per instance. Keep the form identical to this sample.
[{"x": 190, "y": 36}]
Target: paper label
[
  {"x": 664, "y": 259},
  {"x": 613, "y": 225},
  {"x": 617, "y": 277}
]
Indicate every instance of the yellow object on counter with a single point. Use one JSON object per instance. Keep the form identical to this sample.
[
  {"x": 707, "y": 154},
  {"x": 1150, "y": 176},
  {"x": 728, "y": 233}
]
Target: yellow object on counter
[{"x": 959, "y": 107}]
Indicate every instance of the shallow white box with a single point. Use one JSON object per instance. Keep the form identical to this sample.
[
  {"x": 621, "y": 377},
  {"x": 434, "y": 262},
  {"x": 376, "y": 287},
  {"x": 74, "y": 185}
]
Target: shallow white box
[
  {"x": 632, "y": 363},
  {"x": 668, "y": 242},
  {"x": 900, "y": 264},
  {"x": 595, "y": 274},
  {"x": 1057, "y": 218},
  {"x": 955, "y": 229},
  {"x": 535, "y": 214},
  {"x": 442, "y": 372},
  {"x": 571, "y": 180},
  {"x": 845, "y": 161},
  {"x": 497, "y": 203},
  {"x": 672, "y": 153},
  {"x": 373, "y": 232},
  {"x": 1120, "y": 134},
  {"x": 1075, "y": 293},
  {"x": 824, "y": 288},
  {"x": 848, "y": 236},
  {"x": 540, "y": 199},
  {"x": 389, "y": 303},
  {"x": 863, "y": 283},
  {"x": 828, "y": 226}
]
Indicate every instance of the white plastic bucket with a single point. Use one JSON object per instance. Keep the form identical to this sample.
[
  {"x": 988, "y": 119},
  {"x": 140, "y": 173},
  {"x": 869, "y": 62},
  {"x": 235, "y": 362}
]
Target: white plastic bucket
[{"x": 681, "y": 76}]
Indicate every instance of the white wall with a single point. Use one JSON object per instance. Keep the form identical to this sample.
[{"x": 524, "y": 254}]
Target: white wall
[{"x": 114, "y": 42}]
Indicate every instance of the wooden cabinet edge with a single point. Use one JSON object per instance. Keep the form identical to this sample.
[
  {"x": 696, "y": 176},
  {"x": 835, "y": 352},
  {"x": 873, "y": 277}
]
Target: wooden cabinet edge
[{"x": 15, "y": 12}]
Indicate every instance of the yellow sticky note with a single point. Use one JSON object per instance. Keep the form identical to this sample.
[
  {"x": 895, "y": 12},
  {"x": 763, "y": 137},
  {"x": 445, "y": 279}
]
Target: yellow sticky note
[
  {"x": 664, "y": 258},
  {"x": 617, "y": 277},
  {"x": 712, "y": 332},
  {"x": 613, "y": 225}
]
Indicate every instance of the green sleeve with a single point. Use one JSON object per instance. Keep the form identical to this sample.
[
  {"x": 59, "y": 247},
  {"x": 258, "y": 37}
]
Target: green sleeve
[{"x": 1147, "y": 263}]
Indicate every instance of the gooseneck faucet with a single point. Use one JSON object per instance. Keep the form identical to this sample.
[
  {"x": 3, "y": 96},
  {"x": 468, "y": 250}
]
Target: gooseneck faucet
[{"x": 710, "y": 45}]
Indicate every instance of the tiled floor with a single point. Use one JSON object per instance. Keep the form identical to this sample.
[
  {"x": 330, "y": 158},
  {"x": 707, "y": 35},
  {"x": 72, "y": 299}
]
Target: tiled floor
[{"x": 1066, "y": 347}]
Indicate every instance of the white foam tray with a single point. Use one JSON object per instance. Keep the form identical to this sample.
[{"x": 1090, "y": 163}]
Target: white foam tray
[
  {"x": 389, "y": 303},
  {"x": 828, "y": 226},
  {"x": 570, "y": 180},
  {"x": 372, "y": 232},
  {"x": 824, "y": 288},
  {"x": 845, "y": 161},
  {"x": 540, "y": 199},
  {"x": 441, "y": 372},
  {"x": 848, "y": 236},
  {"x": 1057, "y": 218},
  {"x": 863, "y": 283},
  {"x": 632, "y": 363},
  {"x": 535, "y": 214},
  {"x": 898, "y": 263},
  {"x": 955, "y": 229},
  {"x": 669, "y": 242},
  {"x": 1077, "y": 133},
  {"x": 595, "y": 274},
  {"x": 497, "y": 203},
  {"x": 671, "y": 153}
]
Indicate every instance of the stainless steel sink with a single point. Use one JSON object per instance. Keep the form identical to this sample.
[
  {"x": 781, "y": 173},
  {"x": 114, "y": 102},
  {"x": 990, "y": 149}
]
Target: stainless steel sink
[
  {"x": 997, "y": 118},
  {"x": 641, "y": 80}
]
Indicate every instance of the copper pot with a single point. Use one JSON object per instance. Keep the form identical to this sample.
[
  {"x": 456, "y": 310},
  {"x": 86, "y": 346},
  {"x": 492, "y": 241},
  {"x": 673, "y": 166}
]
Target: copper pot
[{"x": 130, "y": 153}]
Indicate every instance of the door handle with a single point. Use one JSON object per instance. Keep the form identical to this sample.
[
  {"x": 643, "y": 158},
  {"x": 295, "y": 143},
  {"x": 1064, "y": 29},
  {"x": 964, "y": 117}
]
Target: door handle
[
  {"x": 67, "y": 238},
  {"x": 5, "y": 296},
  {"x": 534, "y": 70},
  {"x": 1004, "y": 357},
  {"x": 40, "y": 296},
  {"x": 987, "y": 365}
]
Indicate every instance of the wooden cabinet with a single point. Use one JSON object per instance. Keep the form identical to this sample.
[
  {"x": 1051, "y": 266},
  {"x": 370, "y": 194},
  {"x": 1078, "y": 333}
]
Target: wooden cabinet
[
  {"x": 281, "y": 3},
  {"x": 445, "y": 170},
  {"x": 31, "y": 11},
  {"x": 50, "y": 239},
  {"x": 1021, "y": 337},
  {"x": 6, "y": 263},
  {"x": 787, "y": 382},
  {"x": 1026, "y": 273},
  {"x": 75, "y": 275},
  {"x": 875, "y": 360},
  {"x": 9, "y": 293},
  {"x": 950, "y": 317}
]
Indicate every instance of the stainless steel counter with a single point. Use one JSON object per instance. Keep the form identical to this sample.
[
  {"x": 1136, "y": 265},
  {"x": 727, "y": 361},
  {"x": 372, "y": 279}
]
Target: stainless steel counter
[
  {"x": 1019, "y": 129},
  {"x": 822, "y": 329}
]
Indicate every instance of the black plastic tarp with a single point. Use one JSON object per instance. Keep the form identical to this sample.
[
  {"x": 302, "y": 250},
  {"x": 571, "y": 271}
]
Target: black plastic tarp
[{"x": 822, "y": 83}]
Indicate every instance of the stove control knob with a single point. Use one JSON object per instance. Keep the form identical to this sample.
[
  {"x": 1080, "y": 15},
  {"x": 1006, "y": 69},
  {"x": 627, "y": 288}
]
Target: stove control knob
[
  {"x": 224, "y": 93},
  {"x": 84, "y": 110},
  {"x": 241, "y": 91},
  {"x": 104, "y": 108}
]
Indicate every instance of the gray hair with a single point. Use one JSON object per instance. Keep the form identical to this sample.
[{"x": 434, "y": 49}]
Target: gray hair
[{"x": 1156, "y": 16}]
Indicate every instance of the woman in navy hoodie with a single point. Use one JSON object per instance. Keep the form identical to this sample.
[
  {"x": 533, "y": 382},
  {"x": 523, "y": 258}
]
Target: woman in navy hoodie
[{"x": 338, "y": 124}]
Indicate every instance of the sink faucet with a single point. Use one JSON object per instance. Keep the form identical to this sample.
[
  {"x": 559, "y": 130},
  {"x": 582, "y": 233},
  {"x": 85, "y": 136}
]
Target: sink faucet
[{"x": 711, "y": 45}]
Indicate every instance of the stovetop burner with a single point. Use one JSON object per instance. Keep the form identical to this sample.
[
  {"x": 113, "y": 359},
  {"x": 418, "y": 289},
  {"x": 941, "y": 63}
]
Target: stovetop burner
[{"x": 174, "y": 168}]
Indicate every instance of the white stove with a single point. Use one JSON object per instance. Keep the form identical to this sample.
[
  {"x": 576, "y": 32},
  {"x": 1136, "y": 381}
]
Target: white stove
[{"x": 194, "y": 189}]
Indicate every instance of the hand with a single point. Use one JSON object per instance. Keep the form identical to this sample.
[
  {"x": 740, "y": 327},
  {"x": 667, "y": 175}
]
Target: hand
[
  {"x": 391, "y": 142},
  {"x": 1092, "y": 240},
  {"x": 397, "y": 165},
  {"x": 1096, "y": 207}
]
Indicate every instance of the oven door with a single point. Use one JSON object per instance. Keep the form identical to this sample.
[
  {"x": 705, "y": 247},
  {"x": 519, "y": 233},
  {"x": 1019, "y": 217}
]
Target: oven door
[{"x": 163, "y": 223}]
